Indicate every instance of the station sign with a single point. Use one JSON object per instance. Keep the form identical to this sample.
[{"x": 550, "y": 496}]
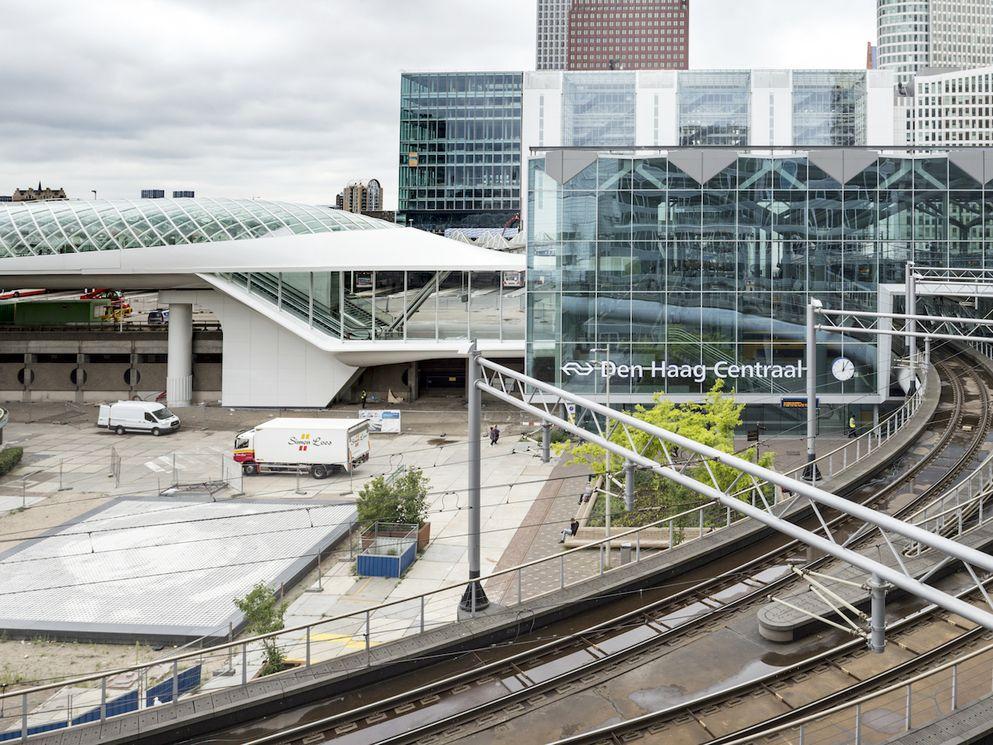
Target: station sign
[
  {"x": 661, "y": 370},
  {"x": 798, "y": 403}
]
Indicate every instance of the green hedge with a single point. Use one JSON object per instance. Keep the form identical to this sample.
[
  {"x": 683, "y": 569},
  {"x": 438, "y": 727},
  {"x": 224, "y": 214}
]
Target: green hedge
[{"x": 10, "y": 457}]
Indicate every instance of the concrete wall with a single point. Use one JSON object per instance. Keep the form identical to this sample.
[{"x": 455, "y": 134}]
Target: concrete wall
[
  {"x": 136, "y": 367},
  {"x": 264, "y": 363}
]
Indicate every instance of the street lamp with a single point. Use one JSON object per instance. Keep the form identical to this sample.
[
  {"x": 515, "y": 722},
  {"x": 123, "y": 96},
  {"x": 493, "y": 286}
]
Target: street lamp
[{"x": 606, "y": 371}]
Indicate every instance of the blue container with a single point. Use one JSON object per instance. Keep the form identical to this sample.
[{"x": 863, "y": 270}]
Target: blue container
[{"x": 375, "y": 565}]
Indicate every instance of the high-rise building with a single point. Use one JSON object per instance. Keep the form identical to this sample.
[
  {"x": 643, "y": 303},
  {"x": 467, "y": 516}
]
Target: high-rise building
[
  {"x": 628, "y": 35},
  {"x": 612, "y": 35},
  {"x": 41, "y": 194},
  {"x": 460, "y": 149},
  {"x": 552, "y": 35},
  {"x": 952, "y": 108},
  {"x": 914, "y": 35},
  {"x": 184, "y": 194},
  {"x": 153, "y": 193},
  {"x": 361, "y": 198}
]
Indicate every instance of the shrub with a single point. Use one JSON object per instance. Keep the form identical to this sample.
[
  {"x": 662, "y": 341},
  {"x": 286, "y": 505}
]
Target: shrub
[
  {"x": 263, "y": 615},
  {"x": 10, "y": 457},
  {"x": 405, "y": 500}
]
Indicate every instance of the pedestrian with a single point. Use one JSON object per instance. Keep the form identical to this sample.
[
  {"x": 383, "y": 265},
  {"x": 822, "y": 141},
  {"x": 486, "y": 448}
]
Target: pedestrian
[
  {"x": 363, "y": 397},
  {"x": 571, "y": 530},
  {"x": 852, "y": 427},
  {"x": 494, "y": 435},
  {"x": 587, "y": 492}
]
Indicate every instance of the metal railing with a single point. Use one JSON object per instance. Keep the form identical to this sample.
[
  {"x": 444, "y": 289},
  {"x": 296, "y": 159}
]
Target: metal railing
[
  {"x": 103, "y": 695},
  {"x": 880, "y": 716},
  {"x": 868, "y": 443}
]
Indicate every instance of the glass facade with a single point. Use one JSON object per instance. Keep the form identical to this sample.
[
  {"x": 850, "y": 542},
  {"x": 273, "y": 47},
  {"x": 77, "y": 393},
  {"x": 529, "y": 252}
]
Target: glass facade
[
  {"x": 598, "y": 109},
  {"x": 688, "y": 282},
  {"x": 395, "y": 305},
  {"x": 714, "y": 108},
  {"x": 829, "y": 108},
  {"x": 460, "y": 149}
]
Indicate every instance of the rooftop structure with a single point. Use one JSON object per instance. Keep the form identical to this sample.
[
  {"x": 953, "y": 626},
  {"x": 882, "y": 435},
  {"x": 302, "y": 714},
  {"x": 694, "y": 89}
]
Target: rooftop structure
[
  {"x": 37, "y": 195},
  {"x": 305, "y": 295}
]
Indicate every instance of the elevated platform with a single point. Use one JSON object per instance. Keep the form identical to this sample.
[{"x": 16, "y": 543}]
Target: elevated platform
[{"x": 194, "y": 717}]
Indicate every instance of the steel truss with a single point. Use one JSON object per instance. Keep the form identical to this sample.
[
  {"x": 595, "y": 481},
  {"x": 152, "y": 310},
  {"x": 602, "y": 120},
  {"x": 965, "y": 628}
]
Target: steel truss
[{"x": 692, "y": 465}]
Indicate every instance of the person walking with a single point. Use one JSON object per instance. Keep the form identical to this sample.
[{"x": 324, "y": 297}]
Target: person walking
[
  {"x": 494, "y": 435},
  {"x": 852, "y": 427},
  {"x": 363, "y": 397}
]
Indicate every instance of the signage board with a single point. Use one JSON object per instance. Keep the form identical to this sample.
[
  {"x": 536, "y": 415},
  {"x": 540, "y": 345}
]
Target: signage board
[
  {"x": 386, "y": 421},
  {"x": 798, "y": 403},
  {"x": 661, "y": 370}
]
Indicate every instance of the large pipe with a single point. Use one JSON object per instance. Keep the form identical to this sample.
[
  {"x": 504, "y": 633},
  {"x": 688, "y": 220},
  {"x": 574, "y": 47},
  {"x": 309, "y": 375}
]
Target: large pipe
[
  {"x": 474, "y": 599},
  {"x": 179, "y": 363},
  {"x": 911, "y": 327},
  {"x": 685, "y": 444},
  {"x": 870, "y": 566}
]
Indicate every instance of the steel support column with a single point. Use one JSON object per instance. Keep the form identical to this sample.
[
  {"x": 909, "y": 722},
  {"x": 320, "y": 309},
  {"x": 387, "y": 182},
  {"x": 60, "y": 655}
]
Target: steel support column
[
  {"x": 546, "y": 442},
  {"x": 629, "y": 485},
  {"x": 911, "y": 327},
  {"x": 474, "y": 599},
  {"x": 877, "y": 614},
  {"x": 810, "y": 473}
]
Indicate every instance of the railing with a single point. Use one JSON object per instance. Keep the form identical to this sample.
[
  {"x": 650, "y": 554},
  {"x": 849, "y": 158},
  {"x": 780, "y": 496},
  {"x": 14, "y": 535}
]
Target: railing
[
  {"x": 104, "y": 695},
  {"x": 859, "y": 448},
  {"x": 951, "y": 513},
  {"x": 880, "y": 716}
]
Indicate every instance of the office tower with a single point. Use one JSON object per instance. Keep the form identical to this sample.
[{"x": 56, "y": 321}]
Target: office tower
[
  {"x": 628, "y": 35},
  {"x": 552, "y": 40},
  {"x": 914, "y": 35},
  {"x": 361, "y": 198},
  {"x": 460, "y": 149}
]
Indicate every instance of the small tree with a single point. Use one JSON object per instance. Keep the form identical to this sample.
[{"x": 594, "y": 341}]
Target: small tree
[
  {"x": 711, "y": 422},
  {"x": 263, "y": 615},
  {"x": 405, "y": 500}
]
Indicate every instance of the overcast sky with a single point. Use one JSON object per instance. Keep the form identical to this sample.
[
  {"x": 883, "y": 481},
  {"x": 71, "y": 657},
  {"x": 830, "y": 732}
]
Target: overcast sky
[{"x": 292, "y": 99}]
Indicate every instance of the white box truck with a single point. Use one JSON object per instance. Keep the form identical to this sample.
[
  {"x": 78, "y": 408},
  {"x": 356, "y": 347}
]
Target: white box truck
[
  {"x": 137, "y": 416},
  {"x": 321, "y": 446}
]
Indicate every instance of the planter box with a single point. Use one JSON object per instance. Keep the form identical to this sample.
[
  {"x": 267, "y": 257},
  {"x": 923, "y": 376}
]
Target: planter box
[
  {"x": 380, "y": 565},
  {"x": 423, "y": 537}
]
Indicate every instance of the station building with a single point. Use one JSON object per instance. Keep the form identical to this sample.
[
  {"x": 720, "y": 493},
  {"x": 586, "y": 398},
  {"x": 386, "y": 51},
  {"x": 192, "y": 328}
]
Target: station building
[
  {"x": 696, "y": 264},
  {"x": 312, "y": 301}
]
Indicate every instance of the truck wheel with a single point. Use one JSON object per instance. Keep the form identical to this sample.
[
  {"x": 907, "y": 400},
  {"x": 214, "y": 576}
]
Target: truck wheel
[
  {"x": 319, "y": 471},
  {"x": 119, "y": 430},
  {"x": 156, "y": 432},
  {"x": 249, "y": 469}
]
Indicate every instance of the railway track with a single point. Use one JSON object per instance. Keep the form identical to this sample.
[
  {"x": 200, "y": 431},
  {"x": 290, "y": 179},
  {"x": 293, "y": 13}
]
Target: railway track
[{"x": 487, "y": 696}]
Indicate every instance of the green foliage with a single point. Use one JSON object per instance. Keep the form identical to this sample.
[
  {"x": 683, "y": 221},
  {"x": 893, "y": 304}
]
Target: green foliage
[
  {"x": 711, "y": 422},
  {"x": 263, "y": 615},
  {"x": 10, "y": 457},
  {"x": 403, "y": 501}
]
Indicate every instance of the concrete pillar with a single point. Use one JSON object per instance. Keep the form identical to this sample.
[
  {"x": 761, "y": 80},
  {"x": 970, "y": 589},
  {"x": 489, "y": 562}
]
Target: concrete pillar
[{"x": 179, "y": 371}]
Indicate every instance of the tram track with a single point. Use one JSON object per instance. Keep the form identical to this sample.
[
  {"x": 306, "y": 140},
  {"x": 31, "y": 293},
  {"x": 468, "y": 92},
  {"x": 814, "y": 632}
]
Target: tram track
[{"x": 498, "y": 692}]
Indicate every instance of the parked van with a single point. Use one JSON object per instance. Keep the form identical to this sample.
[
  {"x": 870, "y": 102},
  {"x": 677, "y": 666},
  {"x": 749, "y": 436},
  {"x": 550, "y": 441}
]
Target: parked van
[{"x": 137, "y": 416}]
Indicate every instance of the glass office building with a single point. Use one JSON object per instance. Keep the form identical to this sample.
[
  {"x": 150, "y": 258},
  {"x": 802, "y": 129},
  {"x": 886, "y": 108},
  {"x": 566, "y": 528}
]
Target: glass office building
[
  {"x": 693, "y": 266},
  {"x": 829, "y": 107},
  {"x": 460, "y": 149}
]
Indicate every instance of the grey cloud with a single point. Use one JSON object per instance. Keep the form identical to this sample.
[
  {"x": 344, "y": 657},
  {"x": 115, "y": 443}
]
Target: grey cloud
[{"x": 290, "y": 100}]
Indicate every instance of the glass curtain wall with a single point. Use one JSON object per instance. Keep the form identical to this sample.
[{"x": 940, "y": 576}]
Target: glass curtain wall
[
  {"x": 714, "y": 278},
  {"x": 460, "y": 149},
  {"x": 829, "y": 108},
  {"x": 714, "y": 108},
  {"x": 598, "y": 109},
  {"x": 365, "y": 306}
]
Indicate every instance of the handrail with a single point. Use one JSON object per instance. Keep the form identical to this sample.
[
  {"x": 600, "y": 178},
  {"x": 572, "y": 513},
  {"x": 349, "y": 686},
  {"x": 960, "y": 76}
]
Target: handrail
[
  {"x": 879, "y": 433},
  {"x": 905, "y": 684},
  {"x": 614, "y": 538}
]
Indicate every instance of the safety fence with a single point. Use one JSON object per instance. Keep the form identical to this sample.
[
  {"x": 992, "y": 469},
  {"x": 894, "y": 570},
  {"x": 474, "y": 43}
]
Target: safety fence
[
  {"x": 236, "y": 663},
  {"x": 881, "y": 716},
  {"x": 867, "y": 444}
]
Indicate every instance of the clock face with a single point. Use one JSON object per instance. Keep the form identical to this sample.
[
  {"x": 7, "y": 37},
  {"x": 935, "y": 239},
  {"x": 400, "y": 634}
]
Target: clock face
[{"x": 843, "y": 368}]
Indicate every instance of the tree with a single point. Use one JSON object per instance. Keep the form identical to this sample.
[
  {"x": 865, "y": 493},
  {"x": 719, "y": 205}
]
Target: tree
[
  {"x": 711, "y": 422},
  {"x": 263, "y": 615},
  {"x": 404, "y": 500}
]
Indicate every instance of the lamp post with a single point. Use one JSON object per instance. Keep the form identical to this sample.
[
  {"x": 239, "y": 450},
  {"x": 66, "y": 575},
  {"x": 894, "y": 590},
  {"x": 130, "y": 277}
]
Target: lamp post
[{"x": 607, "y": 372}]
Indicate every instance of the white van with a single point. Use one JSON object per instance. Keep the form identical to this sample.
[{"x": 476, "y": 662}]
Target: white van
[{"x": 137, "y": 416}]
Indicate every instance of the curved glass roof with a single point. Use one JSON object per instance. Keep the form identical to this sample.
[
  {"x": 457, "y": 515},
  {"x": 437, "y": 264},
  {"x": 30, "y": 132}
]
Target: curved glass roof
[{"x": 59, "y": 227}]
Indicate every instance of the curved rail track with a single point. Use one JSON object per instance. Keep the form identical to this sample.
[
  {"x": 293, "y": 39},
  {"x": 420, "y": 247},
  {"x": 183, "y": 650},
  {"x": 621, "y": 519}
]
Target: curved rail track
[{"x": 484, "y": 698}]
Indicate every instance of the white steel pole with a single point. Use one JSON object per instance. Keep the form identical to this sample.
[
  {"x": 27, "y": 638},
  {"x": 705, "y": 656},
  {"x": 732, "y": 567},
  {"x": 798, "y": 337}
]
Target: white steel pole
[
  {"x": 911, "y": 310},
  {"x": 810, "y": 473},
  {"x": 474, "y": 599}
]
